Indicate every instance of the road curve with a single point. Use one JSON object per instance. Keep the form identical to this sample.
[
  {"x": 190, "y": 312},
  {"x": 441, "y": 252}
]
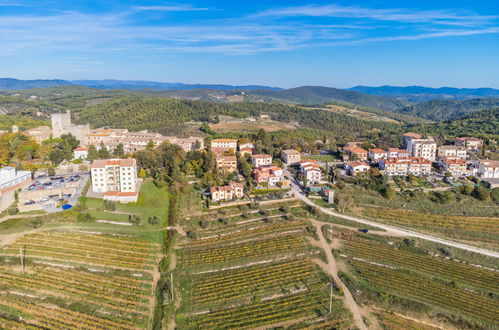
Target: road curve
[{"x": 298, "y": 193}]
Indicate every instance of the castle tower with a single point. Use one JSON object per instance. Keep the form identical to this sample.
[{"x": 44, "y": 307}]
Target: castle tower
[{"x": 61, "y": 124}]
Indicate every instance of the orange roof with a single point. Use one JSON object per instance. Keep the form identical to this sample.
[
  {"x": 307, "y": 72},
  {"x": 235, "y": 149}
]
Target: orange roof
[
  {"x": 398, "y": 150},
  {"x": 407, "y": 160},
  {"x": 357, "y": 150},
  {"x": 223, "y": 140},
  {"x": 290, "y": 152},
  {"x": 261, "y": 156},
  {"x": 468, "y": 138},
  {"x": 356, "y": 164},
  {"x": 377, "y": 151},
  {"x": 101, "y": 163},
  {"x": 457, "y": 161},
  {"x": 81, "y": 149}
]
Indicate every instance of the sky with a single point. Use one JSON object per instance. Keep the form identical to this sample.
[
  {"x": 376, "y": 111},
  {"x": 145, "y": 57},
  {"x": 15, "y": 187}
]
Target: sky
[{"x": 275, "y": 43}]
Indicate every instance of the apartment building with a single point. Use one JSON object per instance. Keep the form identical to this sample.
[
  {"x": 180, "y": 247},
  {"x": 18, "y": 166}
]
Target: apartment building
[
  {"x": 405, "y": 166},
  {"x": 454, "y": 165},
  {"x": 488, "y": 169},
  {"x": 223, "y": 145},
  {"x": 470, "y": 143},
  {"x": 10, "y": 177},
  {"x": 311, "y": 171},
  {"x": 115, "y": 178},
  {"x": 227, "y": 164},
  {"x": 228, "y": 192},
  {"x": 290, "y": 156},
  {"x": 377, "y": 154},
  {"x": 356, "y": 168},
  {"x": 452, "y": 151},
  {"x": 270, "y": 174},
  {"x": 421, "y": 148},
  {"x": 261, "y": 160}
]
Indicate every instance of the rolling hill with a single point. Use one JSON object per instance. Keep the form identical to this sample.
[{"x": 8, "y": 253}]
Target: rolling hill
[
  {"x": 320, "y": 95},
  {"x": 417, "y": 94}
]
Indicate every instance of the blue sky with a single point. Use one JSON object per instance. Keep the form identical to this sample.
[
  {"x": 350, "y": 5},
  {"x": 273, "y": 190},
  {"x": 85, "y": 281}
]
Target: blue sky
[{"x": 278, "y": 43}]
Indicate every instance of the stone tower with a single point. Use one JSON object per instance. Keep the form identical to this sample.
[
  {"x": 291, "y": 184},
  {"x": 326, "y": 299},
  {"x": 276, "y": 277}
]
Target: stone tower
[{"x": 61, "y": 124}]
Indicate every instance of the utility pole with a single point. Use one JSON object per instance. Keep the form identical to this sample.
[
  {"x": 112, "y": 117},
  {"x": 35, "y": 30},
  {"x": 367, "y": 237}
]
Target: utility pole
[
  {"x": 171, "y": 284},
  {"x": 331, "y": 299},
  {"x": 22, "y": 259}
]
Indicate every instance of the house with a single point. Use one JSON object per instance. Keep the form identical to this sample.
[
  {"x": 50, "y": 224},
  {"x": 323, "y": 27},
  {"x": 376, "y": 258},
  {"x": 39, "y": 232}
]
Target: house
[
  {"x": 228, "y": 192},
  {"x": 355, "y": 153},
  {"x": 455, "y": 166},
  {"x": 451, "y": 151},
  {"x": 223, "y": 145},
  {"x": 80, "y": 153},
  {"x": 227, "y": 164},
  {"x": 396, "y": 153},
  {"x": 261, "y": 159},
  {"x": 246, "y": 149},
  {"x": 270, "y": 174},
  {"x": 355, "y": 168},
  {"x": 405, "y": 166},
  {"x": 488, "y": 169},
  {"x": 40, "y": 133},
  {"x": 115, "y": 178},
  {"x": 376, "y": 154},
  {"x": 311, "y": 171},
  {"x": 290, "y": 156},
  {"x": 470, "y": 143}
]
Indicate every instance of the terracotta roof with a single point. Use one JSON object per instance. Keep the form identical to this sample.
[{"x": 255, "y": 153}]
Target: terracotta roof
[
  {"x": 224, "y": 140},
  {"x": 357, "y": 164},
  {"x": 490, "y": 163},
  {"x": 455, "y": 161},
  {"x": 407, "y": 160},
  {"x": 290, "y": 152},
  {"x": 101, "y": 163},
  {"x": 261, "y": 156},
  {"x": 377, "y": 151},
  {"x": 398, "y": 150},
  {"x": 357, "y": 150},
  {"x": 413, "y": 135},
  {"x": 81, "y": 149},
  {"x": 468, "y": 138}
]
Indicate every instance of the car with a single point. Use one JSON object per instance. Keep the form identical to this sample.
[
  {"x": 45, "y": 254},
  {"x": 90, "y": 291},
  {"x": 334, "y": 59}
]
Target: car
[
  {"x": 29, "y": 202},
  {"x": 47, "y": 184},
  {"x": 363, "y": 230}
]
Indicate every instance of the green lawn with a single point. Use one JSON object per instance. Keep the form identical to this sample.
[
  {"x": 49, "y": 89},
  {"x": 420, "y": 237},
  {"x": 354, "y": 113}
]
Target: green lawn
[{"x": 322, "y": 158}]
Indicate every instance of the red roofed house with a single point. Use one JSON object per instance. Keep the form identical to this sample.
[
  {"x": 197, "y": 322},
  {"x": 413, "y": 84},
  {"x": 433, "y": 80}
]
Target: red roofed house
[
  {"x": 115, "y": 178},
  {"x": 355, "y": 152},
  {"x": 356, "y": 168},
  {"x": 471, "y": 143},
  {"x": 376, "y": 154},
  {"x": 290, "y": 156},
  {"x": 311, "y": 171},
  {"x": 226, "y": 193},
  {"x": 270, "y": 174},
  {"x": 454, "y": 165},
  {"x": 80, "y": 153}
]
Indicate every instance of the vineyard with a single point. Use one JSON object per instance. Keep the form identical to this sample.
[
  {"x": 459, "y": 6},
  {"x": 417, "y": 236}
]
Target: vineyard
[
  {"x": 76, "y": 280},
  {"x": 470, "y": 229},
  {"x": 445, "y": 285},
  {"x": 245, "y": 272}
]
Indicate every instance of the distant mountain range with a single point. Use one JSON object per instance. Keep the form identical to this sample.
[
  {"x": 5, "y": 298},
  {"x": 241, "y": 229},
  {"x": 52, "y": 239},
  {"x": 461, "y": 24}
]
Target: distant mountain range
[
  {"x": 415, "y": 94},
  {"x": 16, "y": 84}
]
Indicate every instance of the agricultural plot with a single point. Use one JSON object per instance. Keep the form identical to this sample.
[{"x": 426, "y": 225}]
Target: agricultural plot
[
  {"x": 469, "y": 229},
  {"x": 450, "y": 287},
  {"x": 245, "y": 275},
  {"x": 76, "y": 280}
]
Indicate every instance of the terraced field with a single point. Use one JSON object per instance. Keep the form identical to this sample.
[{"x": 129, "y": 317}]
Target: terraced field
[{"x": 77, "y": 280}]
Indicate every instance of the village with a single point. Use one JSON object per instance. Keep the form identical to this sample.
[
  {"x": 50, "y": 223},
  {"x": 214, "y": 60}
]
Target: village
[{"x": 116, "y": 178}]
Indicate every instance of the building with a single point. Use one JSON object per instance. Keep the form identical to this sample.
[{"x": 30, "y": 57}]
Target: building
[
  {"x": 226, "y": 193},
  {"x": 353, "y": 144},
  {"x": 61, "y": 124},
  {"x": 355, "y": 168},
  {"x": 40, "y": 133},
  {"x": 10, "y": 177},
  {"x": 290, "y": 157},
  {"x": 397, "y": 153},
  {"x": 376, "y": 154},
  {"x": 311, "y": 171},
  {"x": 470, "y": 143},
  {"x": 80, "y": 153},
  {"x": 223, "y": 145},
  {"x": 270, "y": 174},
  {"x": 488, "y": 169},
  {"x": 356, "y": 153},
  {"x": 190, "y": 143},
  {"x": 227, "y": 164},
  {"x": 115, "y": 178},
  {"x": 261, "y": 160},
  {"x": 420, "y": 148},
  {"x": 405, "y": 166},
  {"x": 451, "y": 151},
  {"x": 455, "y": 166}
]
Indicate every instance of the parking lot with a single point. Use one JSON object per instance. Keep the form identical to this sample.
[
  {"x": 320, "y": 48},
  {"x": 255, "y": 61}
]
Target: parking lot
[{"x": 50, "y": 193}]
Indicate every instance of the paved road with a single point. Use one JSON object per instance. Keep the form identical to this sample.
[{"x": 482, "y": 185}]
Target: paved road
[{"x": 299, "y": 194}]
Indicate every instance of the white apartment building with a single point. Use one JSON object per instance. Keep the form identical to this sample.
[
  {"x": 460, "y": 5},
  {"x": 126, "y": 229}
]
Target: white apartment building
[
  {"x": 116, "y": 178},
  {"x": 422, "y": 148},
  {"x": 452, "y": 151},
  {"x": 10, "y": 177},
  {"x": 488, "y": 169},
  {"x": 222, "y": 145},
  {"x": 261, "y": 160},
  {"x": 405, "y": 166},
  {"x": 376, "y": 154},
  {"x": 454, "y": 165},
  {"x": 311, "y": 171},
  {"x": 396, "y": 153}
]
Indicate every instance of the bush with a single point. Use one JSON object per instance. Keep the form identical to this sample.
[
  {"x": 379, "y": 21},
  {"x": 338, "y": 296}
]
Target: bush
[
  {"x": 12, "y": 211},
  {"x": 481, "y": 193}
]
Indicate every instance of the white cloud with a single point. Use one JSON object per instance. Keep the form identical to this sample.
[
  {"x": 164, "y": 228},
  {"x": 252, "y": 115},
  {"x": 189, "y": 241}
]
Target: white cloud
[{"x": 169, "y": 8}]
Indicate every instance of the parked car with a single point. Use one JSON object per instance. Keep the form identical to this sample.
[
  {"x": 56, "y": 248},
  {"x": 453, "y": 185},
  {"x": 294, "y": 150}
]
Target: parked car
[{"x": 363, "y": 230}]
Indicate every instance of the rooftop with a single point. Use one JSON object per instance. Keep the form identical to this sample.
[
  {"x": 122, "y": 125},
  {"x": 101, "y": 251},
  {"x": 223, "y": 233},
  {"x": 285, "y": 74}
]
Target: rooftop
[{"x": 101, "y": 163}]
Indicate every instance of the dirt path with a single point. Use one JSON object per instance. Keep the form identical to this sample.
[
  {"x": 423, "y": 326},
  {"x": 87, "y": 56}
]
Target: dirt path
[
  {"x": 332, "y": 269},
  {"x": 21, "y": 216}
]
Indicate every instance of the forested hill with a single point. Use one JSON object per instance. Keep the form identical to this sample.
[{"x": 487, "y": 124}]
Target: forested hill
[
  {"x": 483, "y": 123},
  {"x": 321, "y": 95},
  {"x": 442, "y": 110},
  {"x": 138, "y": 113}
]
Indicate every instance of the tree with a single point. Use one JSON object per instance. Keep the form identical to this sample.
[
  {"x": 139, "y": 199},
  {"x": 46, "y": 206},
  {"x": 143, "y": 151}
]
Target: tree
[
  {"x": 103, "y": 153},
  {"x": 57, "y": 156},
  {"x": 92, "y": 153},
  {"x": 153, "y": 220},
  {"x": 481, "y": 193},
  {"x": 142, "y": 173},
  {"x": 119, "y": 151}
]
